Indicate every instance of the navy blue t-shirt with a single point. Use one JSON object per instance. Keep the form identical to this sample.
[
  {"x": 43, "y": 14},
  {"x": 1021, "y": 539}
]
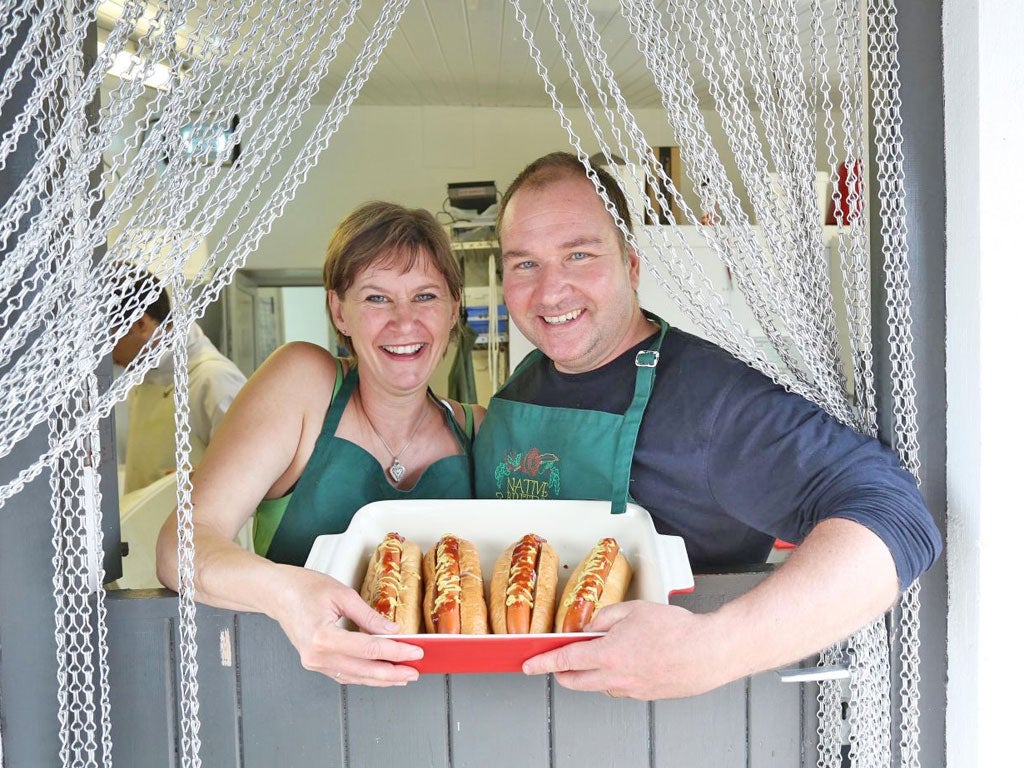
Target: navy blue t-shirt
[{"x": 730, "y": 461}]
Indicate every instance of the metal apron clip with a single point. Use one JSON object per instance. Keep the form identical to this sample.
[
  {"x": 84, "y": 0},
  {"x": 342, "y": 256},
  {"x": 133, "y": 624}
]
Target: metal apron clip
[{"x": 647, "y": 358}]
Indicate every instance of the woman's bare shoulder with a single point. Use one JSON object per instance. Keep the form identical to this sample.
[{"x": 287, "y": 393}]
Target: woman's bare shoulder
[
  {"x": 269, "y": 430},
  {"x": 299, "y": 361},
  {"x": 301, "y": 353},
  {"x": 296, "y": 376}
]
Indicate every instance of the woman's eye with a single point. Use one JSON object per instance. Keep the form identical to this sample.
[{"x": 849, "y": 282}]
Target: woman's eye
[
  {"x": 376, "y": 298},
  {"x": 425, "y": 296}
]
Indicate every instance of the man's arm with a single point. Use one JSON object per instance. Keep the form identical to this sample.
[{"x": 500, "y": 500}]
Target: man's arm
[{"x": 840, "y": 578}]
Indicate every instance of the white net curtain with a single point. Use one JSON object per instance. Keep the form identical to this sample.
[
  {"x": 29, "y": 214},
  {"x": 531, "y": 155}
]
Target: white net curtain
[{"x": 791, "y": 85}]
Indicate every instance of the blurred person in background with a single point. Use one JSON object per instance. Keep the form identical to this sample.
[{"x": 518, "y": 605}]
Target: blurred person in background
[{"x": 213, "y": 382}]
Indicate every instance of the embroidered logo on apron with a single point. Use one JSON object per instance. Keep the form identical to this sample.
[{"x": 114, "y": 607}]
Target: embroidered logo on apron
[{"x": 530, "y": 476}]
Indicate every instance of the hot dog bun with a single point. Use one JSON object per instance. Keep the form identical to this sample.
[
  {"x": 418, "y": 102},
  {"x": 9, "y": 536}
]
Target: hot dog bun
[
  {"x": 453, "y": 600},
  {"x": 533, "y": 594},
  {"x": 600, "y": 579},
  {"x": 395, "y": 593}
]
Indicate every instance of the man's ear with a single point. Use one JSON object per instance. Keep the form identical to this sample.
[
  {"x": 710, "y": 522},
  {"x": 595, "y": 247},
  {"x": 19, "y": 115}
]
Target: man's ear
[{"x": 633, "y": 267}]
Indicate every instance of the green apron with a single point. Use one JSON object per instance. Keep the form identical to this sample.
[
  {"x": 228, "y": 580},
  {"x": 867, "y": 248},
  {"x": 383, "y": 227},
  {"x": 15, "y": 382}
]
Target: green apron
[
  {"x": 526, "y": 451},
  {"x": 341, "y": 477}
]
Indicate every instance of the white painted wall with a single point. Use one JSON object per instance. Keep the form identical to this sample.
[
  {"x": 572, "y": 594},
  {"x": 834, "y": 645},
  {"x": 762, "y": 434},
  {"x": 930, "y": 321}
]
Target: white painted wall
[
  {"x": 409, "y": 155},
  {"x": 984, "y": 82},
  {"x": 304, "y": 316}
]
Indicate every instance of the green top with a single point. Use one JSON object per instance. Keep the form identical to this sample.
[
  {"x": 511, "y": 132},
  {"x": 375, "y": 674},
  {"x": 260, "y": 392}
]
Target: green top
[{"x": 340, "y": 477}]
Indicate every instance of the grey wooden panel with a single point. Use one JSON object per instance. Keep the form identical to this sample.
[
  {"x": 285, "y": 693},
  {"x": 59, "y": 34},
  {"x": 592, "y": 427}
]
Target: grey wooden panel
[
  {"x": 809, "y": 726},
  {"x": 398, "y": 726},
  {"x": 776, "y": 713},
  {"x": 483, "y": 706},
  {"x": 589, "y": 729},
  {"x": 134, "y": 617},
  {"x": 143, "y": 704},
  {"x": 712, "y": 591},
  {"x": 712, "y": 729},
  {"x": 289, "y": 716},
  {"x": 707, "y": 731},
  {"x": 218, "y": 688},
  {"x": 293, "y": 717}
]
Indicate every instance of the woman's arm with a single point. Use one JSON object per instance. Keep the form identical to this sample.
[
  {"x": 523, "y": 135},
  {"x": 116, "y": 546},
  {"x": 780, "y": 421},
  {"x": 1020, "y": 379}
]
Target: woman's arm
[{"x": 260, "y": 450}]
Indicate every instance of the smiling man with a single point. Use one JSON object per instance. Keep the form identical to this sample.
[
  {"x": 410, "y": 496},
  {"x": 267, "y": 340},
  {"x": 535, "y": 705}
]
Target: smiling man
[{"x": 620, "y": 406}]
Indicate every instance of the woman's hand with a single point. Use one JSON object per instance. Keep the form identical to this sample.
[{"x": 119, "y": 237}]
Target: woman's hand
[{"x": 310, "y": 607}]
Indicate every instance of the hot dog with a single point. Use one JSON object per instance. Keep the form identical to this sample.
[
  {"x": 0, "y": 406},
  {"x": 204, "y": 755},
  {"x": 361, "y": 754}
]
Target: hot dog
[
  {"x": 393, "y": 584},
  {"x": 523, "y": 587},
  {"x": 453, "y": 601},
  {"x": 600, "y": 579}
]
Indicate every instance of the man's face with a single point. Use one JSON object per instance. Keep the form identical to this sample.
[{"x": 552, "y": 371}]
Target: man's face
[
  {"x": 567, "y": 284},
  {"x": 129, "y": 345}
]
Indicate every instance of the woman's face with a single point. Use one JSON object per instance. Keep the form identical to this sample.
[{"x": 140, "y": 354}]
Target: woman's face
[{"x": 399, "y": 322}]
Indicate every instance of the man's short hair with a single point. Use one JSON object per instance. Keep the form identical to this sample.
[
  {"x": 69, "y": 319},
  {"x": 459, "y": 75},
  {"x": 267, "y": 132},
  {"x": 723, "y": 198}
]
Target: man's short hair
[
  {"x": 135, "y": 284},
  {"x": 560, "y": 165}
]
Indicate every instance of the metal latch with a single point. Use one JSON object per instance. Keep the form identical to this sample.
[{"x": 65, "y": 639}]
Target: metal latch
[{"x": 647, "y": 358}]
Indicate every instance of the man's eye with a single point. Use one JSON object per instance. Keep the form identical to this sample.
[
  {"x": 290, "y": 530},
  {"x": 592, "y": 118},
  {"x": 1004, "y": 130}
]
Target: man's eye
[
  {"x": 578, "y": 256},
  {"x": 525, "y": 265}
]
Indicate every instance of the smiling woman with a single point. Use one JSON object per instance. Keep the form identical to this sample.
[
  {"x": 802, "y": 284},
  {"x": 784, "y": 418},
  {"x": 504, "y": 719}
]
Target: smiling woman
[{"x": 312, "y": 438}]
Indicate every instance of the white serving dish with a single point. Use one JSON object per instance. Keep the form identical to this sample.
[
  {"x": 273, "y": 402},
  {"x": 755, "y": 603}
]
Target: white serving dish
[{"x": 660, "y": 564}]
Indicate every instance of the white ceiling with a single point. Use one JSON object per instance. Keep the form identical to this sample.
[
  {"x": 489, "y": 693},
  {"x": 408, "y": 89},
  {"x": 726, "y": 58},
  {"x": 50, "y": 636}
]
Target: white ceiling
[{"x": 472, "y": 53}]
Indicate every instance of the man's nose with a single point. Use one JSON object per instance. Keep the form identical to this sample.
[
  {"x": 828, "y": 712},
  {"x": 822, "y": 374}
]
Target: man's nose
[{"x": 552, "y": 286}]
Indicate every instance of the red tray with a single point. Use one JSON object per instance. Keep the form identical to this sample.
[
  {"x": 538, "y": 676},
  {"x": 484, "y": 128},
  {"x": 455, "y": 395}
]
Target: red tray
[{"x": 484, "y": 653}]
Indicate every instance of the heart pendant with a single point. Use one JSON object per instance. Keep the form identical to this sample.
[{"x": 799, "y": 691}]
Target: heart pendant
[{"x": 397, "y": 471}]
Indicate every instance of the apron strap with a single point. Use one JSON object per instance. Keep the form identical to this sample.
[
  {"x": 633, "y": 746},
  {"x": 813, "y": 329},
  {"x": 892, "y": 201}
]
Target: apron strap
[
  {"x": 646, "y": 362},
  {"x": 531, "y": 357},
  {"x": 344, "y": 385},
  {"x": 464, "y": 436}
]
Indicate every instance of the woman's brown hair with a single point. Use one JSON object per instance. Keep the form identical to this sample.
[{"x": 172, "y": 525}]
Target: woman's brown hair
[{"x": 386, "y": 233}]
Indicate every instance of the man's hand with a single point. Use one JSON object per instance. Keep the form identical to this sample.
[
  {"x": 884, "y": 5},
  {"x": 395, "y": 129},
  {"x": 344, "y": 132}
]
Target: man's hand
[
  {"x": 838, "y": 580},
  {"x": 650, "y": 651},
  {"x": 315, "y": 603}
]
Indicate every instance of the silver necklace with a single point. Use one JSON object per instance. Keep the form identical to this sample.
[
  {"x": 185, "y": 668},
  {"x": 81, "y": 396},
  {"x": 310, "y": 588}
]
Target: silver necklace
[{"x": 397, "y": 469}]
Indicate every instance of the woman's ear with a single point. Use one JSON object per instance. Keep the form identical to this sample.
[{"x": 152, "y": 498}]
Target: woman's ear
[{"x": 337, "y": 317}]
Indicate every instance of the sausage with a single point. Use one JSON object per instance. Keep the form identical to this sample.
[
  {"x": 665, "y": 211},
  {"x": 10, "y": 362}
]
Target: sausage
[
  {"x": 393, "y": 585},
  {"x": 600, "y": 579},
  {"x": 453, "y": 601},
  {"x": 523, "y": 587}
]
